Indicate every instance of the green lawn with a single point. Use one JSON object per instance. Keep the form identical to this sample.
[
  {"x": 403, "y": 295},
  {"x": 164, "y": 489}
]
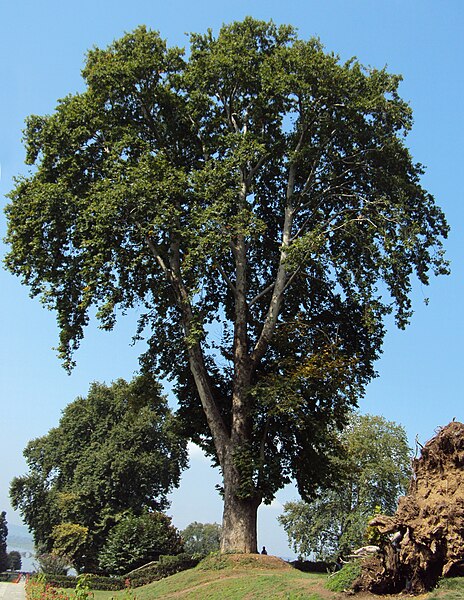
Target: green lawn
[
  {"x": 231, "y": 584},
  {"x": 246, "y": 583}
]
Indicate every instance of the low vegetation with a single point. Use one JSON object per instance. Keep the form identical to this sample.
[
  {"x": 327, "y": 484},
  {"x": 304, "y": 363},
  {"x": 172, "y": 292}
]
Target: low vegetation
[{"x": 237, "y": 577}]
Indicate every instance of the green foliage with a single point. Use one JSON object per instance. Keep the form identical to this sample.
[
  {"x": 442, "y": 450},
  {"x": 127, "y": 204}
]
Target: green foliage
[
  {"x": 115, "y": 451},
  {"x": 69, "y": 540},
  {"x": 372, "y": 535},
  {"x": 9, "y": 577},
  {"x": 164, "y": 567},
  {"x": 95, "y": 582},
  {"x": 82, "y": 589},
  {"x": 256, "y": 199},
  {"x": 53, "y": 564},
  {"x": 42, "y": 587},
  {"x": 201, "y": 538},
  {"x": 4, "y": 562},
  {"x": 14, "y": 560},
  {"x": 137, "y": 540},
  {"x": 374, "y": 472},
  {"x": 343, "y": 580}
]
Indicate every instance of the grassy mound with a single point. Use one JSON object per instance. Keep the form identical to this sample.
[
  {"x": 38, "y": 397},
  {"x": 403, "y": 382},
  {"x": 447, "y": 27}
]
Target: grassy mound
[
  {"x": 217, "y": 562},
  {"x": 233, "y": 577},
  {"x": 255, "y": 577}
]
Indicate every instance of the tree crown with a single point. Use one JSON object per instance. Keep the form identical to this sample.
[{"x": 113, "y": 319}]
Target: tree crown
[{"x": 256, "y": 200}]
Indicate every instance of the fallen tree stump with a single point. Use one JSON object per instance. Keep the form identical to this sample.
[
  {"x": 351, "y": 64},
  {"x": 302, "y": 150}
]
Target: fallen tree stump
[{"x": 426, "y": 535}]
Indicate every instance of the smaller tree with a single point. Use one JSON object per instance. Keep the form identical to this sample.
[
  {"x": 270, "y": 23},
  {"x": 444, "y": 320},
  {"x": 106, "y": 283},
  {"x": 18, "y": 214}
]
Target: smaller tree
[
  {"x": 202, "y": 538},
  {"x": 53, "y": 564},
  {"x": 3, "y": 535},
  {"x": 374, "y": 471},
  {"x": 14, "y": 560},
  {"x": 117, "y": 450},
  {"x": 137, "y": 540}
]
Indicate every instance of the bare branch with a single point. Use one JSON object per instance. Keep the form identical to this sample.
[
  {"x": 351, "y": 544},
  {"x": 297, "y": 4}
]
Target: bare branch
[
  {"x": 261, "y": 294},
  {"x": 227, "y": 279}
]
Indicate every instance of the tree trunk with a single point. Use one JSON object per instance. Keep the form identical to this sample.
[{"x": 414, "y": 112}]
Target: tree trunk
[
  {"x": 239, "y": 520},
  {"x": 239, "y": 524}
]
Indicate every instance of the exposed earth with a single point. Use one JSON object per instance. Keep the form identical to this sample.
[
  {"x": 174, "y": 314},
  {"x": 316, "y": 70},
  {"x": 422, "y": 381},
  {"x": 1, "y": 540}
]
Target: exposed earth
[{"x": 426, "y": 535}]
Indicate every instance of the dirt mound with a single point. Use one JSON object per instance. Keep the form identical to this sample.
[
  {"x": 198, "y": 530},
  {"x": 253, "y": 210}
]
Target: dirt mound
[{"x": 426, "y": 535}]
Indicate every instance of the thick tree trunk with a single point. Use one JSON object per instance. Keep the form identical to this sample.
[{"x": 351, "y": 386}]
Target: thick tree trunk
[{"x": 239, "y": 524}]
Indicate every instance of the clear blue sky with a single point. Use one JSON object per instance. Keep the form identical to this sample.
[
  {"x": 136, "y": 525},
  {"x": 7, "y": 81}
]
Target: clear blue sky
[{"x": 42, "y": 52}]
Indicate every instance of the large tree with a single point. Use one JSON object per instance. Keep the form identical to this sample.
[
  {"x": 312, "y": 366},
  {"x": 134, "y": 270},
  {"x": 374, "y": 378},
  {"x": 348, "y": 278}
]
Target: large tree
[
  {"x": 114, "y": 452},
  {"x": 257, "y": 200},
  {"x": 375, "y": 470}
]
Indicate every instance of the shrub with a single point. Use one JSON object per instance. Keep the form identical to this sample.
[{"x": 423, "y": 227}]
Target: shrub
[
  {"x": 54, "y": 564},
  {"x": 309, "y": 566},
  {"x": 37, "y": 588},
  {"x": 136, "y": 540},
  {"x": 8, "y": 576},
  {"x": 166, "y": 566},
  {"x": 95, "y": 582}
]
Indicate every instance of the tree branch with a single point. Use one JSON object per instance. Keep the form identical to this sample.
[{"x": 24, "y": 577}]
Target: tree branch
[{"x": 194, "y": 351}]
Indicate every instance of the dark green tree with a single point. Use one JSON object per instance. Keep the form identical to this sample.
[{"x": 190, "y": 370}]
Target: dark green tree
[
  {"x": 138, "y": 540},
  {"x": 14, "y": 560},
  {"x": 375, "y": 472},
  {"x": 257, "y": 200},
  {"x": 4, "y": 564},
  {"x": 116, "y": 450},
  {"x": 202, "y": 538}
]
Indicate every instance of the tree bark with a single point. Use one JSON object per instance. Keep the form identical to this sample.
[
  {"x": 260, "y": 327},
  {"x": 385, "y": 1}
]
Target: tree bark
[{"x": 240, "y": 516}]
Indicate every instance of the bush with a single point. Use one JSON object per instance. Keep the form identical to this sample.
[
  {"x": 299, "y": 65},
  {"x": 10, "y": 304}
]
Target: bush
[
  {"x": 343, "y": 580},
  {"x": 137, "y": 540},
  {"x": 166, "y": 566},
  {"x": 309, "y": 566},
  {"x": 95, "y": 582},
  {"x": 8, "y": 576},
  {"x": 53, "y": 564}
]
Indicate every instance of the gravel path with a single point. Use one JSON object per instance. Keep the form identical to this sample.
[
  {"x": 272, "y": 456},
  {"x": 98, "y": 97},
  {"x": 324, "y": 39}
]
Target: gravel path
[{"x": 12, "y": 591}]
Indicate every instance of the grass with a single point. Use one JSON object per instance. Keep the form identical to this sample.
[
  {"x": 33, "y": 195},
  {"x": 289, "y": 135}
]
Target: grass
[
  {"x": 223, "y": 578},
  {"x": 244, "y": 577},
  {"x": 448, "y": 589}
]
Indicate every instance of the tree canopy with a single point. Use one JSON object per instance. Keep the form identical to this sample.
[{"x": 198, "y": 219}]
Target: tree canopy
[
  {"x": 202, "y": 538},
  {"x": 256, "y": 200},
  {"x": 375, "y": 471},
  {"x": 113, "y": 452},
  {"x": 14, "y": 560}
]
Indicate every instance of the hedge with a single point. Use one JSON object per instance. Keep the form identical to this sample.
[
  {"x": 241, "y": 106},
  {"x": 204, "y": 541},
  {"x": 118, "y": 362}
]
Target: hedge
[
  {"x": 9, "y": 576},
  {"x": 166, "y": 566},
  {"x": 95, "y": 582},
  {"x": 310, "y": 566}
]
